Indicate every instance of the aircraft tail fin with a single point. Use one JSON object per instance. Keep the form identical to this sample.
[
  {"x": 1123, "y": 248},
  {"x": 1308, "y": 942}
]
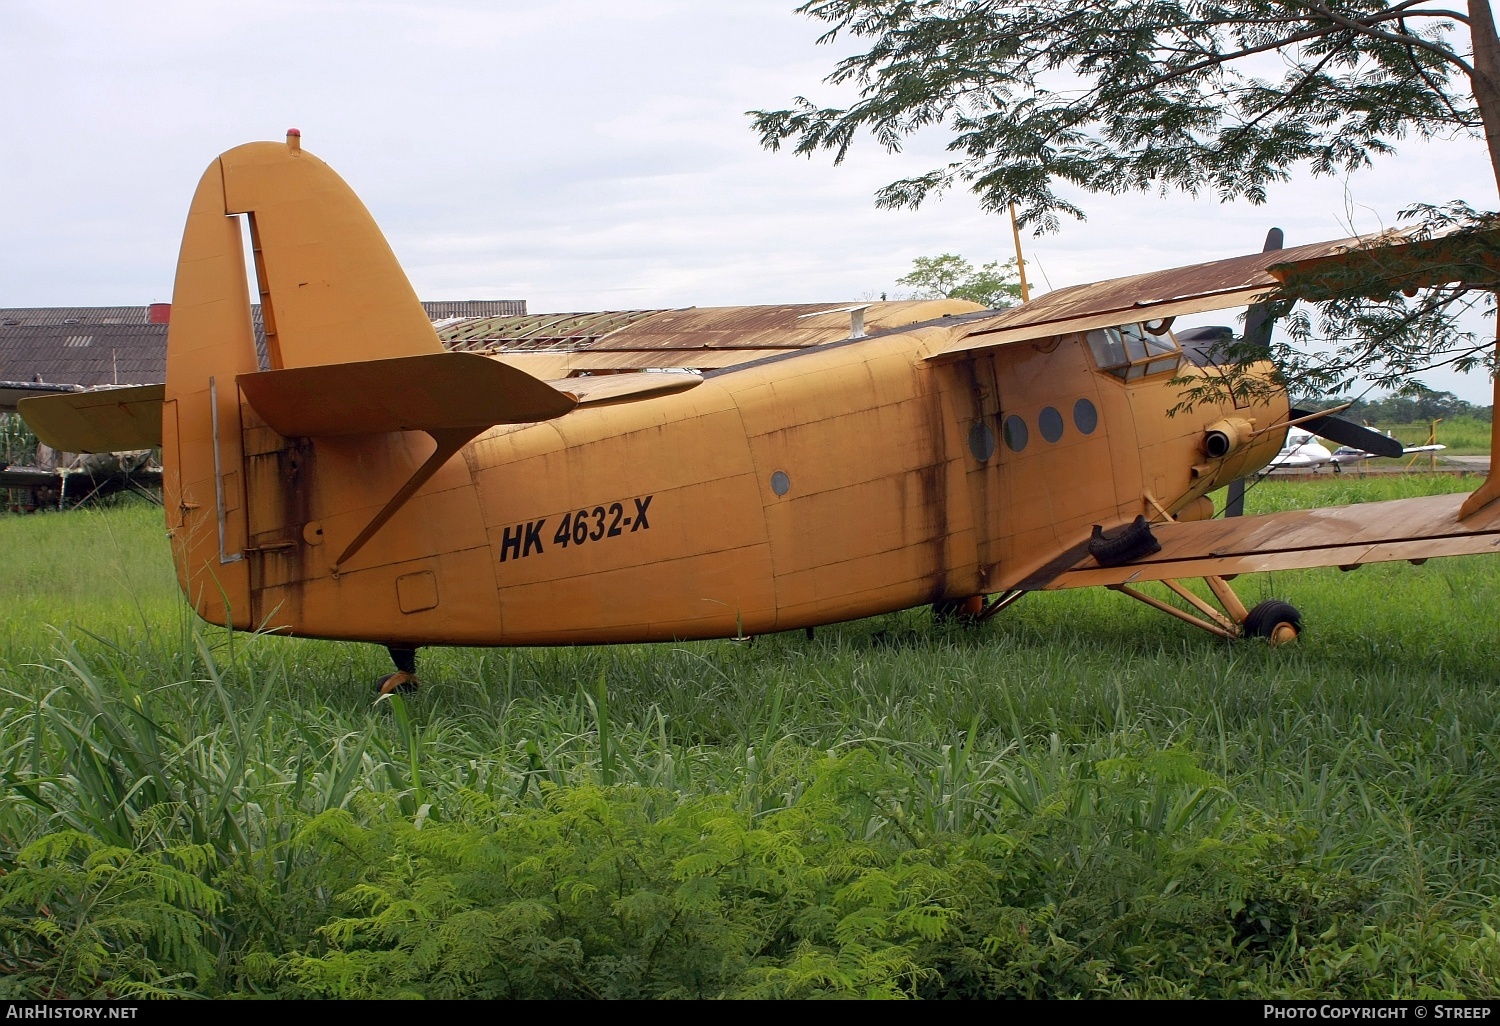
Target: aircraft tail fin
[{"x": 331, "y": 290}]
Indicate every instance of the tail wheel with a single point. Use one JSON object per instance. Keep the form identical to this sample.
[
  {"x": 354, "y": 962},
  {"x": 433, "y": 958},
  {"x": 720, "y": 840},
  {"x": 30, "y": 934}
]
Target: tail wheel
[
  {"x": 400, "y": 681},
  {"x": 1276, "y": 621},
  {"x": 962, "y": 611}
]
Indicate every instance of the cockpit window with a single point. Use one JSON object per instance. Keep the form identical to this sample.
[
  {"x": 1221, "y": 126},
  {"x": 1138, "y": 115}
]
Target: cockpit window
[{"x": 1133, "y": 351}]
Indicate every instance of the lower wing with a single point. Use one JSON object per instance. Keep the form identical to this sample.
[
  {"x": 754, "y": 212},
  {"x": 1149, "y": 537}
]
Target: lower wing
[{"x": 1342, "y": 536}]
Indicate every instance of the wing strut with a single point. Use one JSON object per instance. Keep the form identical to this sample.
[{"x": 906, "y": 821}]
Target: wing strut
[
  {"x": 449, "y": 441},
  {"x": 453, "y": 398},
  {"x": 1490, "y": 490}
]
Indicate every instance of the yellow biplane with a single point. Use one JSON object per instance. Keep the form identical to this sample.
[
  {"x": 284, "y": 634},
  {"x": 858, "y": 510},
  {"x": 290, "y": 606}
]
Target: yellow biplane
[{"x": 700, "y": 473}]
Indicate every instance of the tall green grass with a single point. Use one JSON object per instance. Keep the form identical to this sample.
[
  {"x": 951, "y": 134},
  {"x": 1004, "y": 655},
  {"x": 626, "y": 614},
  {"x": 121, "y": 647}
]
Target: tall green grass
[
  {"x": 1462, "y": 435},
  {"x": 1080, "y": 797}
]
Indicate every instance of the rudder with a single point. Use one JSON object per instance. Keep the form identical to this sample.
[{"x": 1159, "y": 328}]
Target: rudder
[{"x": 331, "y": 292}]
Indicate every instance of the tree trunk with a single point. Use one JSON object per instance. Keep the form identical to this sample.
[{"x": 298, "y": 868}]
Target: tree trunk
[
  {"x": 1487, "y": 97},
  {"x": 1487, "y": 77}
]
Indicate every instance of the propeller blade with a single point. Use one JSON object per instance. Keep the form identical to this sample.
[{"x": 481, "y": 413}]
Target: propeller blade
[
  {"x": 1257, "y": 324},
  {"x": 1347, "y": 433},
  {"x": 1257, "y": 330},
  {"x": 1235, "y": 504}
]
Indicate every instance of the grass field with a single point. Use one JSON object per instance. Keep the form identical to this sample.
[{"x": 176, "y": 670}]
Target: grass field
[
  {"x": 1464, "y": 436},
  {"x": 1081, "y": 797}
]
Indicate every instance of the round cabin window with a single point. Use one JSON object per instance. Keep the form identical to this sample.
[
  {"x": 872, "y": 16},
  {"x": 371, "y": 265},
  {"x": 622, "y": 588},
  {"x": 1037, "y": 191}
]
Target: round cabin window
[
  {"x": 1085, "y": 416},
  {"x": 1016, "y": 434},
  {"x": 780, "y": 483},
  {"x": 1050, "y": 423},
  {"x": 982, "y": 441}
]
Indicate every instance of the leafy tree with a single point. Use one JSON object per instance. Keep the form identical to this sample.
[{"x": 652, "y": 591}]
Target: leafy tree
[
  {"x": 1225, "y": 97},
  {"x": 950, "y": 276},
  {"x": 1414, "y": 404}
]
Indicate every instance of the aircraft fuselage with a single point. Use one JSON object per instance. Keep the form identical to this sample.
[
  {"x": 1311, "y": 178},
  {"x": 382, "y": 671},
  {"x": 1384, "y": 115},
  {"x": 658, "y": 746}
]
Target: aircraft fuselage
[{"x": 838, "y": 482}]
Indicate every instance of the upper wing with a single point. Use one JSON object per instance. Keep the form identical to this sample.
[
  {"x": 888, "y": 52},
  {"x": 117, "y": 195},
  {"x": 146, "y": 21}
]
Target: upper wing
[
  {"x": 1196, "y": 288},
  {"x": 697, "y": 338},
  {"x": 1342, "y": 536}
]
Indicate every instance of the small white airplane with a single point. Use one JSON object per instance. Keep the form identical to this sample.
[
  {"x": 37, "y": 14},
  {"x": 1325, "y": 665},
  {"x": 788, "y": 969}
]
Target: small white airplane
[
  {"x": 1347, "y": 454},
  {"x": 1304, "y": 451},
  {"x": 1301, "y": 451}
]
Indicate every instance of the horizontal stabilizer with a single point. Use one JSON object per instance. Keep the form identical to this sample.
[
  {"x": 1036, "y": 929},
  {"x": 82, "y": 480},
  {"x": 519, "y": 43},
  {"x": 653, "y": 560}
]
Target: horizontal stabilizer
[
  {"x": 433, "y": 392},
  {"x": 102, "y": 420}
]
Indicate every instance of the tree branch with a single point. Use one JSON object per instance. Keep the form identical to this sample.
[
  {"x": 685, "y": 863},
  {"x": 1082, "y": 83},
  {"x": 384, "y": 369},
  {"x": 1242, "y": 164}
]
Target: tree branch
[
  {"x": 1421, "y": 71},
  {"x": 1308, "y": 77},
  {"x": 1391, "y": 37}
]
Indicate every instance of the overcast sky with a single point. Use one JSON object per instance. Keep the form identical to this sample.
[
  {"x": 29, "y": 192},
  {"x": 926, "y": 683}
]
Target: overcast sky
[{"x": 578, "y": 154}]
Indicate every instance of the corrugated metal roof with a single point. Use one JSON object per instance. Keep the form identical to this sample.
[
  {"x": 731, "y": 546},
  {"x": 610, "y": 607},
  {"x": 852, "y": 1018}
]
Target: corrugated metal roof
[
  {"x": 537, "y": 332},
  {"x": 104, "y": 345},
  {"x": 702, "y": 338},
  {"x": 462, "y": 310},
  {"x": 81, "y": 353},
  {"x": 39, "y": 316},
  {"x": 475, "y": 308}
]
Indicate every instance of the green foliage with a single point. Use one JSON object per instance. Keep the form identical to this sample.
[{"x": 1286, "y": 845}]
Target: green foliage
[
  {"x": 1463, "y": 436},
  {"x": 1386, "y": 315},
  {"x": 950, "y": 276},
  {"x": 1123, "y": 95},
  {"x": 83, "y": 919},
  {"x": 1082, "y": 798},
  {"x": 17, "y": 443},
  {"x": 1161, "y": 95},
  {"x": 1414, "y": 404}
]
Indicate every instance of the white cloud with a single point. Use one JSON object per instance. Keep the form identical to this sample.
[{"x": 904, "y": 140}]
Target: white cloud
[{"x": 581, "y": 154}]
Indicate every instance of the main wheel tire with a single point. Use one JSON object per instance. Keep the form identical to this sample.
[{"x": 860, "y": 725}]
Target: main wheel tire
[
  {"x": 1276, "y": 621},
  {"x": 1131, "y": 542},
  {"x": 400, "y": 681}
]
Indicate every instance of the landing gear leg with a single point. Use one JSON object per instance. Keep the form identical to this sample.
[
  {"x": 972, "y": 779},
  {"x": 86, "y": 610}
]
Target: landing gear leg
[
  {"x": 973, "y": 610},
  {"x": 1277, "y": 622},
  {"x": 404, "y": 680}
]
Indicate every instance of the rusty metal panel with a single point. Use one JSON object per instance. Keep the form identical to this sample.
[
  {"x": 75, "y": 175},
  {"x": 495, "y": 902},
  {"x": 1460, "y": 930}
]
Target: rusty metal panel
[
  {"x": 533, "y": 332},
  {"x": 792, "y": 326},
  {"x": 641, "y": 337},
  {"x": 612, "y": 389},
  {"x": 1217, "y": 284}
]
